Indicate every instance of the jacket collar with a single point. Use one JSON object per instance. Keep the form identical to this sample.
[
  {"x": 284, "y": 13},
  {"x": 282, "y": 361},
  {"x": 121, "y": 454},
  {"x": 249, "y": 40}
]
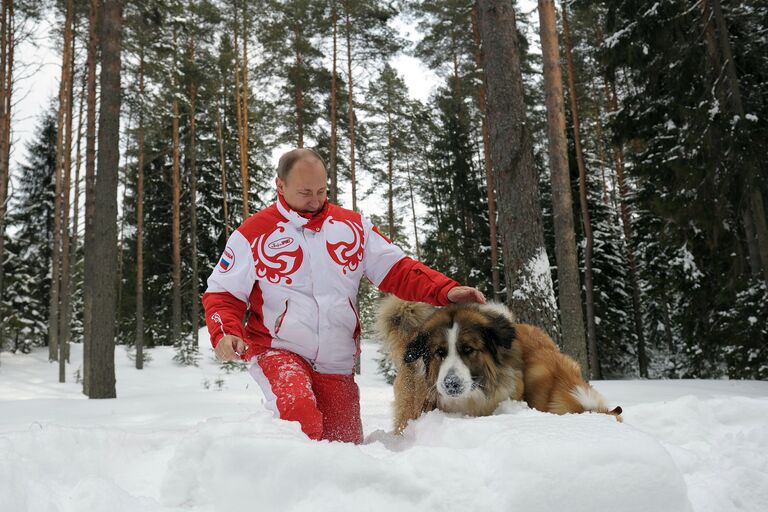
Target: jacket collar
[{"x": 302, "y": 220}]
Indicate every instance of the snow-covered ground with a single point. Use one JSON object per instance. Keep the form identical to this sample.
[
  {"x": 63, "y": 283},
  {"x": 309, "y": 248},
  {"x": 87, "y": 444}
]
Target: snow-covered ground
[{"x": 176, "y": 439}]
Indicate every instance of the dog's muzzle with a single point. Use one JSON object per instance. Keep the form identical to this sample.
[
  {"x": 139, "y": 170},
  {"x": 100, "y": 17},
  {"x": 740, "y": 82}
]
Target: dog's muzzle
[{"x": 452, "y": 384}]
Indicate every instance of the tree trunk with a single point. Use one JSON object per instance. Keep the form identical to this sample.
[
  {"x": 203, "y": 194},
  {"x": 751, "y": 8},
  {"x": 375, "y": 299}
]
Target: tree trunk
[
  {"x": 6, "y": 104},
  {"x": 90, "y": 178},
  {"x": 176, "y": 209},
  {"x": 193, "y": 197},
  {"x": 223, "y": 165},
  {"x": 101, "y": 257},
  {"x": 751, "y": 192},
  {"x": 139, "y": 341},
  {"x": 299, "y": 87},
  {"x": 333, "y": 149},
  {"x": 351, "y": 115},
  {"x": 4, "y": 174},
  {"x": 455, "y": 61},
  {"x": 527, "y": 272},
  {"x": 717, "y": 39},
  {"x": 351, "y": 107},
  {"x": 244, "y": 158},
  {"x": 76, "y": 206},
  {"x": 121, "y": 228},
  {"x": 64, "y": 327},
  {"x": 413, "y": 208},
  {"x": 761, "y": 229},
  {"x": 600, "y": 143},
  {"x": 667, "y": 322},
  {"x": 488, "y": 163},
  {"x": 629, "y": 245},
  {"x": 390, "y": 170},
  {"x": 594, "y": 360},
  {"x": 571, "y": 316},
  {"x": 750, "y": 237},
  {"x": 241, "y": 111},
  {"x": 61, "y": 124}
]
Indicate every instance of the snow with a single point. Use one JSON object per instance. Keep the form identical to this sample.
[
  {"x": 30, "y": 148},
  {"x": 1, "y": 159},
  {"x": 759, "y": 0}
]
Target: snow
[
  {"x": 535, "y": 279},
  {"x": 172, "y": 441},
  {"x": 685, "y": 259},
  {"x": 714, "y": 109}
]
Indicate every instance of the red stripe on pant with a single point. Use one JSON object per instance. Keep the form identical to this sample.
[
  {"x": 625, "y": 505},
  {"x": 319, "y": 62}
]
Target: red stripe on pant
[{"x": 327, "y": 406}]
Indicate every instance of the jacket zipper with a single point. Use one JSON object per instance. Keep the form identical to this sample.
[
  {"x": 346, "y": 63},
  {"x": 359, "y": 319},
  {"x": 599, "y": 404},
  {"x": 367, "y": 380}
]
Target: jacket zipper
[
  {"x": 357, "y": 322},
  {"x": 279, "y": 321}
]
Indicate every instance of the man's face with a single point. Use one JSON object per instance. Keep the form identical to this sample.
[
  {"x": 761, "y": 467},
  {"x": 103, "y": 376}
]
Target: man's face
[{"x": 304, "y": 189}]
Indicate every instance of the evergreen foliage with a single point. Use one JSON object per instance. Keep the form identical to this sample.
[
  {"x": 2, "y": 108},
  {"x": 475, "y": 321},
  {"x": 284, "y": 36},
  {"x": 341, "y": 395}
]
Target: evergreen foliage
[
  {"x": 656, "y": 98},
  {"x": 26, "y": 297},
  {"x": 690, "y": 157}
]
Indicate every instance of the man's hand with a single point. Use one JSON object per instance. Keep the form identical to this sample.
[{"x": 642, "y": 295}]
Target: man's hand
[
  {"x": 465, "y": 294},
  {"x": 229, "y": 348}
]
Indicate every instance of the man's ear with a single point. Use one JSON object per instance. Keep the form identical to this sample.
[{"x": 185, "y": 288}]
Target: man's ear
[
  {"x": 279, "y": 185},
  {"x": 417, "y": 348}
]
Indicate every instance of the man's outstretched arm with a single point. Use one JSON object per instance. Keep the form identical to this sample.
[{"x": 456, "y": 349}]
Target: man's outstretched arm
[{"x": 391, "y": 271}]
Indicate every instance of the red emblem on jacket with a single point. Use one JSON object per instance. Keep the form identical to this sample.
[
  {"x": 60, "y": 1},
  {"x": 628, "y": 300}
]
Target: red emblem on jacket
[
  {"x": 273, "y": 266},
  {"x": 348, "y": 252}
]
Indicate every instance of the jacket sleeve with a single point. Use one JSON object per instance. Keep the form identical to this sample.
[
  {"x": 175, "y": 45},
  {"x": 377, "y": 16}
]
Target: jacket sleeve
[
  {"x": 391, "y": 271},
  {"x": 229, "y": 288}
]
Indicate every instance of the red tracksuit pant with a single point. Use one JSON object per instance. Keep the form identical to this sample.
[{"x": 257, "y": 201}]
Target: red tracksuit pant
[{"x": 327, "y": 406}]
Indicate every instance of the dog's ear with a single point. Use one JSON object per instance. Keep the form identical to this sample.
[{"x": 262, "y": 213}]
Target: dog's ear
[
  {"x": 417, "y": 348},
  {"x": 498, "y": 333}
]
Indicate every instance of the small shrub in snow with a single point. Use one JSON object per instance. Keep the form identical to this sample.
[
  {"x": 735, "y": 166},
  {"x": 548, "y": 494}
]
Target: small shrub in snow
[{"x": 230, "y": 367}]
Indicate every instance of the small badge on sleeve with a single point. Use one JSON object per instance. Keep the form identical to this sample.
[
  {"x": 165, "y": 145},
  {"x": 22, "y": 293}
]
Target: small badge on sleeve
[{"x": 227, "y": 260}]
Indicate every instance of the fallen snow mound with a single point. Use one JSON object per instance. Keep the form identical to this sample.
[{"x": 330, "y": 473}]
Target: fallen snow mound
[
  {"x": 518, "y": 459},
  {"x": 198, "y": 439}
]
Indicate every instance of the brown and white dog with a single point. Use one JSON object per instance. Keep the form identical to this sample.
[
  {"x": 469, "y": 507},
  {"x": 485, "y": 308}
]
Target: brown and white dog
[{"x": 468, "y": 358}]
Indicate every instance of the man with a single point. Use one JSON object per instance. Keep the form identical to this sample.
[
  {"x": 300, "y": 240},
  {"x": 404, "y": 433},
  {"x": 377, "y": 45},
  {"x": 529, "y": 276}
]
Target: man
[{"x": 295, "y": 268}]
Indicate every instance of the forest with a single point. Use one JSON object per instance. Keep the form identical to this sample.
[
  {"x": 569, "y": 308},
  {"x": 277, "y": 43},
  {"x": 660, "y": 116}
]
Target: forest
[{"x": 596, "y": 165}]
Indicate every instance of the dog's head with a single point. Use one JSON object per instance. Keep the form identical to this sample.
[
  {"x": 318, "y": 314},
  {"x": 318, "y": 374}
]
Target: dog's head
[{"x": 463, "y": 348}]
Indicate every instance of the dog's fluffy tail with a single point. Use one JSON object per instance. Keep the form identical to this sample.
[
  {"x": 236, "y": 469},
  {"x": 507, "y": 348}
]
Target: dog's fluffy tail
[
  {"x": 591, "y": 400},
  {"x": 397, "y": 322}
]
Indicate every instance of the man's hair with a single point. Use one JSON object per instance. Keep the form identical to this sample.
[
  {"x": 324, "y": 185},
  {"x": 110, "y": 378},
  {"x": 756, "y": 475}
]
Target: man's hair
[{"x": 289, "y": 159}]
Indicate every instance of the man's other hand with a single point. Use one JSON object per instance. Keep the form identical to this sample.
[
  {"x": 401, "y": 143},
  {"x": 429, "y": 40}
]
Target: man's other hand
[
  {"x": 229, "y": 348},
  {"x": 465, "y": 294}
]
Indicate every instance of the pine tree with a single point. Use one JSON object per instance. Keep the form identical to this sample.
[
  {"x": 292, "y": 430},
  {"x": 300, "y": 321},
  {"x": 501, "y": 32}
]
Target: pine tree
[
  {"x": 691, "y": 178},
  {"x": 457, "y": 244},
  {"x": 569, "y": 296},
  {"x": 390, "y": 142},
  {"x": 586, "y": 222},
  {"x": 292, "y": 64},
  {"x": 526, "y": 263},
  {"x": 101, "y": 256},
  {"x": 31, "y": 216}
]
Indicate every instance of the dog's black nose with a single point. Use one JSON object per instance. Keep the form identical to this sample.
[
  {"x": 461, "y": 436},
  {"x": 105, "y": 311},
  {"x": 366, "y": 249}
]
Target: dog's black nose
[{"x": 452, "y": 384}]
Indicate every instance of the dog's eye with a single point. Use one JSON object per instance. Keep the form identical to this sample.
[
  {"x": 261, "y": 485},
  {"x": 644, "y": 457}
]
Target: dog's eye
[
  {"x": 467, "y": 350},
  {"x": 441, "y": 353}
]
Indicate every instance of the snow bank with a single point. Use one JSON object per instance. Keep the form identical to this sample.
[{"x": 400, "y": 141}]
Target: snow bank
[
  {"x": 517, "y": 460},
  {"x": 170, "y": 443}
]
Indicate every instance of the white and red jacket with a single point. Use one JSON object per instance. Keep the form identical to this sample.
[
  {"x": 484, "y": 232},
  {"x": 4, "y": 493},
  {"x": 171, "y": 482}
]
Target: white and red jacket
[{"x": 297, "y": 278}]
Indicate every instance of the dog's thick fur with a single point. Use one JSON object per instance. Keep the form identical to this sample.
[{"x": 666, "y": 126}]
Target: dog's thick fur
[{"x": 468, "y": 358}]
